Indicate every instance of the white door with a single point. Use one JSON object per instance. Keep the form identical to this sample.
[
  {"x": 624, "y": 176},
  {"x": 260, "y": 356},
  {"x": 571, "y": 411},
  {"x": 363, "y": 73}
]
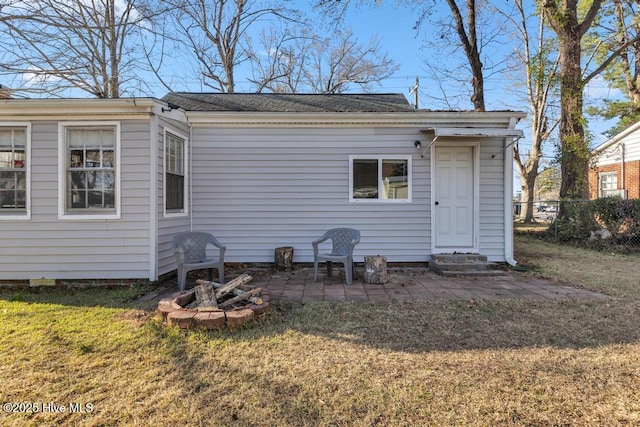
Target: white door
[{"x": 454, "y": 197}]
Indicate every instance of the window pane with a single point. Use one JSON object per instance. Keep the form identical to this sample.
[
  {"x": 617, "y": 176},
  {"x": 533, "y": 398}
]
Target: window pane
[
  {"x": 92, "y": 159},
  {"x": 6, "y": 159},
  {"x": 175, "y": 191},
  {"x": 365, "y": 179},
  {"x": 108, "y": 159},
  {"x": 93, "y": 138},
  {"x": 75, "y": 138},
  {"x": 395, "y": 179}
]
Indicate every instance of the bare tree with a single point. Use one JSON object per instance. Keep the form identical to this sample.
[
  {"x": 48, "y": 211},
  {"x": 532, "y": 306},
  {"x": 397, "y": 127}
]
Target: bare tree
[
  {"x": 564, "y": 18},
  {"x": 299, "y": 61},
  {"x": 216, "y": 32},
  {"x": 86, "y": 45},
  {"x": 469, "y": 41},
  {"x": 620, "y": 17},
  {"x": 538, "y": 57}
]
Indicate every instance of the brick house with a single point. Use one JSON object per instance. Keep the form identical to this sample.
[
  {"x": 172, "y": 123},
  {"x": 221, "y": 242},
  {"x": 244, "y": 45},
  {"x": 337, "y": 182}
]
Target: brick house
[{"x": 615, "y": 167}]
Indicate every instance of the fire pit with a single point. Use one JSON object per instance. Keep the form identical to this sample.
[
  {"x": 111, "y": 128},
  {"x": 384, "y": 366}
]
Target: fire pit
[{"x": 211, "y": 305}]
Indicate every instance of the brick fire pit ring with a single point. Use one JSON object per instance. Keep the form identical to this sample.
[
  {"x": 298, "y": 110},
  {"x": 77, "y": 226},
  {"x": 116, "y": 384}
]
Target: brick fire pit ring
[{"x": 173, "y": 312}]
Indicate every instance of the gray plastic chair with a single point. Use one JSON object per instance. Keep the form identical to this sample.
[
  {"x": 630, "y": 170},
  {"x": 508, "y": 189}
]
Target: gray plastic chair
[
  {"x": 190, "y": 250},
  {"x": 343, "y": 242}
]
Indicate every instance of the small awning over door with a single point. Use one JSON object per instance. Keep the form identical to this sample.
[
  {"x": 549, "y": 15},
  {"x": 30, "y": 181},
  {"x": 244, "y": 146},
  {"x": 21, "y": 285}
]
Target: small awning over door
[{"x": 466, "y": 132}]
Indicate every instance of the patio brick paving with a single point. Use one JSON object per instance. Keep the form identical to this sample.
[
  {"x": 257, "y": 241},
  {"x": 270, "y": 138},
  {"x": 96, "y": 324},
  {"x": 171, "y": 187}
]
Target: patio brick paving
[
  {"x": 405, "y": 284},
  {"x": 410, "y": 284}
]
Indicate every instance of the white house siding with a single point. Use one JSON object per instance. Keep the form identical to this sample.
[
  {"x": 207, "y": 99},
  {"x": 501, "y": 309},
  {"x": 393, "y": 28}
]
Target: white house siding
[
  {"x": 167, "y": 226},
  {"x": 492, "y": 227},
  {"x": 260, "y": 188},
  {"x": 48, "y": 247},
  {"x": 611, "y": 154}
]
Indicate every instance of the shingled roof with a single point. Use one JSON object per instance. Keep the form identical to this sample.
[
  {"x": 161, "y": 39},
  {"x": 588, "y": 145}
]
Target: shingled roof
[{"x": 295, "y": 103}]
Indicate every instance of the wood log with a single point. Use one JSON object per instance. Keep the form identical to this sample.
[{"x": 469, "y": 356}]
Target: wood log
[
  {"x": 206, "y": 297},
  {"x": 243, "y": 296},
  {"x": 375, "y": 269},
  {"x": 231, "y": 285},
  {"x": 283, "y": 258},
  {"x": 236, "y": 291}
]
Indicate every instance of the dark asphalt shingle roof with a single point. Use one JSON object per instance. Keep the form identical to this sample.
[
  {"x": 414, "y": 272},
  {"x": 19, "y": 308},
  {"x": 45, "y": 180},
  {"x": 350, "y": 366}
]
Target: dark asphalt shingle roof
[{"x": 280, "y": 103}]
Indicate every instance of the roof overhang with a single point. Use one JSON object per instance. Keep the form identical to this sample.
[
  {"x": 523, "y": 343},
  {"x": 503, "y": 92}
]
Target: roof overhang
[
  {"x": 467, "y": 132},
  {"x": 422, "y": 119}
]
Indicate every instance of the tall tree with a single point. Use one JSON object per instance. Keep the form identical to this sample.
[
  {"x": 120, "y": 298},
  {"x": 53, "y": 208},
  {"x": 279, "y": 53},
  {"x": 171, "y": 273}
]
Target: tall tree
[
  {"x": 537, "y": 56},
  {"x": 624, "y": 72},
  {"x": 216, "y": 32},
  {"x": 468, "y": 35},
  {"x": 310, "y": 63},
  {"x": 563, "y": 17},
  {"x": 75, "y": 44}
]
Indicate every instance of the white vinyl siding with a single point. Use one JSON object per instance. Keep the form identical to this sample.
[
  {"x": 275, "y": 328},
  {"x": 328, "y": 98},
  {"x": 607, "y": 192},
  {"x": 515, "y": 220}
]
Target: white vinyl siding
[
  {"x": 168, "y": 225},
  {"x": 260, "y": 188},
  {"x": 47, "y": 247}
]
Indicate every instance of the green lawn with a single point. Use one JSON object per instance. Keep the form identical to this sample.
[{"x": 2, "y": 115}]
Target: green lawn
[{"x": 456, "y": 363}]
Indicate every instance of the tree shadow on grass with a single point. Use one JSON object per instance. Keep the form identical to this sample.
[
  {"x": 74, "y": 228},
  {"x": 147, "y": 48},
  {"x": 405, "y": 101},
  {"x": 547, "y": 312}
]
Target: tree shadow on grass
[{"x": 461, "y": 325}]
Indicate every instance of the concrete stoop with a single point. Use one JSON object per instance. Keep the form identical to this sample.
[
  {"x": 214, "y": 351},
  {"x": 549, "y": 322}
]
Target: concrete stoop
[{"x": 463, "y": 265}]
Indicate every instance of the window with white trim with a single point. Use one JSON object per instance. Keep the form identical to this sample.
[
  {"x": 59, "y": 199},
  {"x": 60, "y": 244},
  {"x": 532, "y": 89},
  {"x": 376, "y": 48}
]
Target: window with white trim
[
  {"x": 608, "y": 184},
  {"x": 380, "y": 178},
  {"x": 175, "y": 167},
  {"x": 14, "y": 167},
  {"x": 90, "y": 178}
]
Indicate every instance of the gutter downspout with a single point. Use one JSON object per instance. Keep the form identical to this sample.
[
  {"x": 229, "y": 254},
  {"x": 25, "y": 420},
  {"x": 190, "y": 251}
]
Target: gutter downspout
[
  {"x": 622, "y": 147},
  {"x": 508, "y": 198},
  {"x": 190, "y": 178},
  {"x": 153, "y": 197}
]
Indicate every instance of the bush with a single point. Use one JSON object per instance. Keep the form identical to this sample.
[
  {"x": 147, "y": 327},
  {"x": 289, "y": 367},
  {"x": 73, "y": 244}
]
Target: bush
[{"x": 620, "y": 217}]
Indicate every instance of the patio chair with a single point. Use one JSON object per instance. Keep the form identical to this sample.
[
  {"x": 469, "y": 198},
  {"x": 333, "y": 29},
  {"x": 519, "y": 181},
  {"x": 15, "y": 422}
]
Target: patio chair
[
  {"x": 190, "y": 250},
  {"x": 343, "y": 241}
]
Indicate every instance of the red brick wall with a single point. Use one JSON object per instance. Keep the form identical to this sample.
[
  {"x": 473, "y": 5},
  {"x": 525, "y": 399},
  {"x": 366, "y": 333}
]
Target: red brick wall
[{"x": 631, "y": 178}]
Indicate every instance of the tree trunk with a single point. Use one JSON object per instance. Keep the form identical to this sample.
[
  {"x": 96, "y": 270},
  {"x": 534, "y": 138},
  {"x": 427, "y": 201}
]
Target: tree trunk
[
  {"x": 375, "y": 269},
  {"x": 283, "y": 258},
  {"x": 574, "y": 158}
]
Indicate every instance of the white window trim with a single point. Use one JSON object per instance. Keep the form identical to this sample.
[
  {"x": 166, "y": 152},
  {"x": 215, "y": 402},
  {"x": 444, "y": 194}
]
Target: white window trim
[
  {"x": 62, "y": 173},
  {"x": 185, "y": 154},
  {"x": 26, "y": 215},
  {"x": 602, "y": 174},
  {"x": 380, "y": 158}
]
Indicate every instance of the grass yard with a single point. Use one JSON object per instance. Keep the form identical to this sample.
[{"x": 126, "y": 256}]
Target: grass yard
[{"x": 470, "y": 363}]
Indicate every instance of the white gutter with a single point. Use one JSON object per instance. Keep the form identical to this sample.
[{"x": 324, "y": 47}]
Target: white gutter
[
  {"x": 508, "y": 199},
  {"x": 153, "y": 199}
]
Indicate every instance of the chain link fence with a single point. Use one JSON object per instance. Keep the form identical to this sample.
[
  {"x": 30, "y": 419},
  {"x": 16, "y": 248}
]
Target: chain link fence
[{"x": 609, "y": 222}]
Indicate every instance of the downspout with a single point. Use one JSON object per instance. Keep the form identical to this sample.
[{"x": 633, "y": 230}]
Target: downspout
[
  {"x": 622, "y": 166},
  {"x": 508, "y": 198},
  {"x": 153, "y": 197},
  {"x": 190, "y": 178}
]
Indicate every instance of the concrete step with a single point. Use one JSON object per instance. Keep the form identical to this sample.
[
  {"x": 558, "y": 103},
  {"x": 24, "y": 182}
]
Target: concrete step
[{"x": 463, "y": 265}]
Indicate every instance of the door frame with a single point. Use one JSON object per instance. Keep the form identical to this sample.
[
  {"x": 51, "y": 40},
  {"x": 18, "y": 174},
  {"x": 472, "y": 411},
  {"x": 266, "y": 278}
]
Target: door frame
[{"x": 475, "y": 247}]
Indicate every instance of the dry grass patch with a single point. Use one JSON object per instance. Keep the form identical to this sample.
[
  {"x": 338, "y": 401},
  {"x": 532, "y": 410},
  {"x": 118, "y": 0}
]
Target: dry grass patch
[
  {"x": 611, "y": 273},
  {"x": 472, "y": 363}
]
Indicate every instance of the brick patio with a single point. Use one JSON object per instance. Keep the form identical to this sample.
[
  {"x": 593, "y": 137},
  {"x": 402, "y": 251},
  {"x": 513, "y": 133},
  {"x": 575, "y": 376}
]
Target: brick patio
[{"x": 409, "y": 284}]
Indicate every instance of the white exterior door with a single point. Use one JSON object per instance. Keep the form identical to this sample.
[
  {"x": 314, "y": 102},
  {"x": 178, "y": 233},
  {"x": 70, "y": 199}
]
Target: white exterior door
[{"x": 454, "y": 198}]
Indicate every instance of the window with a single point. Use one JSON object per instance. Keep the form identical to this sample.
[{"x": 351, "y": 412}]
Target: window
[
  {"x": 175, "y": 167},
  {"x": 609, "y": 184},
  {"x": 90, "y": 177},
  {"x": 380, "y": 178},
  {"x": 14, "y": 176}
]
